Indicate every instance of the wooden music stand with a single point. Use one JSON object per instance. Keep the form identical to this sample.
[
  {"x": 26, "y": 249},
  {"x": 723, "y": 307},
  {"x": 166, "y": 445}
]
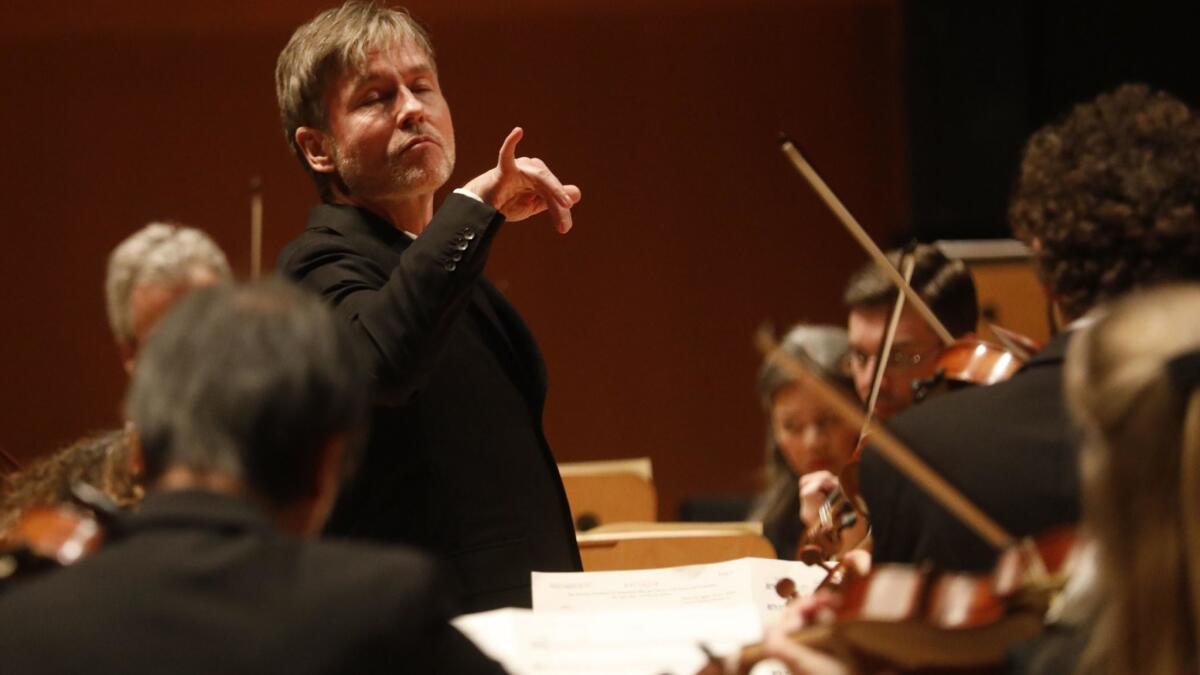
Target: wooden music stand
[
  {"x": 610, "y": 492},
  {"x": 1006, "y": 281},
  {"x": 635, "y": 546}
]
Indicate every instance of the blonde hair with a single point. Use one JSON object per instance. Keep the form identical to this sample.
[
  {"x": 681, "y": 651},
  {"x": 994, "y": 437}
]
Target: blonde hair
[
  {"x": 160, "y": 253},
  {"x": 323, "y": 49},
  {"x": 1141, "y": 479}
]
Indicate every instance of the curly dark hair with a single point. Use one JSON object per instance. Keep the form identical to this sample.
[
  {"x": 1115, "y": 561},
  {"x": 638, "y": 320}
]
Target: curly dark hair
[
  {"x": 99, "y": 459},
  {"x": 1109, "y": 197}
]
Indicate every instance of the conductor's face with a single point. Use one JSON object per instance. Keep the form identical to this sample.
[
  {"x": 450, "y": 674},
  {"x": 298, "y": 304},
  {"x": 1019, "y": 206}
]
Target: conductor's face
[{"x": 389, "y": 126}]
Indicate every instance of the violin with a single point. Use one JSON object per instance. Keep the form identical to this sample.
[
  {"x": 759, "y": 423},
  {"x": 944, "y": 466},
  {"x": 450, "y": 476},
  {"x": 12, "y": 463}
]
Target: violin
[
  {"x": 972, "y": 361},
  {"x": 50, "y": 537},
  {"x": 842, "y": 512},
  {"x": 890, "y": 448},
  {"x": 907, "y": 618},
  {"x": 913, "y": 619},
  {"x": 966, "y": 360}
]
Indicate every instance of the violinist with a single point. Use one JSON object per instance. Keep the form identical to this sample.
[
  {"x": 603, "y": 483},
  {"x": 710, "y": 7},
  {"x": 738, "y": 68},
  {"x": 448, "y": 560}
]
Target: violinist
[
  {"x": 249, "y": 403},
  {"x": 802, "y": 435},
  {"x": 1107, "y": 200},
  {"x": 146, "y": 273},
  {"x": 945, "y": 285},
  {"x": 870, "y": 296}
]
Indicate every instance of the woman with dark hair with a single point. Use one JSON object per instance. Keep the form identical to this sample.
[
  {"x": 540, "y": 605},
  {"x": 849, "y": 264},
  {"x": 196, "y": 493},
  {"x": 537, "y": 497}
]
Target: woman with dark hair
[{"x": 803, "y": 437}]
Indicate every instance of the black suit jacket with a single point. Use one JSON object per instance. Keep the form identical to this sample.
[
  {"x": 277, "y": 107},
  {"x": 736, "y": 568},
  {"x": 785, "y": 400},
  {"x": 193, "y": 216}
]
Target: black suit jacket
[
  {"x": 1009, "y": 447},
  {"x": 456, "y": 461},
  {"x": 202, "y": 583}
]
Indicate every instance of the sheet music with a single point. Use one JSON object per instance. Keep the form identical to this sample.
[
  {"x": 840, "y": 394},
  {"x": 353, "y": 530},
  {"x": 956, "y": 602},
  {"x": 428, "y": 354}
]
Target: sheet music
[
  {"x": 640, "y": 622},
  {"x": 735, "y": 583},
  {"x": 629, "y": 642}
]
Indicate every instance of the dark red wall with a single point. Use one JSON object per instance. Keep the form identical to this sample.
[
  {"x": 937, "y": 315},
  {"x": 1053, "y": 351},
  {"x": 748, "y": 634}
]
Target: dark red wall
[{"x": 693, "y": 230}]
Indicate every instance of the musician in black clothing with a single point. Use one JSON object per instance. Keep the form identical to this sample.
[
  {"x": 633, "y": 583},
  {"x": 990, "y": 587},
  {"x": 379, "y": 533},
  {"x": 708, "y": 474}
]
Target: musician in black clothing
[
  {"x": 457, "y": 461},
  {"x": 249, "y": 402},
  {"x": 1108, "y": 199}
]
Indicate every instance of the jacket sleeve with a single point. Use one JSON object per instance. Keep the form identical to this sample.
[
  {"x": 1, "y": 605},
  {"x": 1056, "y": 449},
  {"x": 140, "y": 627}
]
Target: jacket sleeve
[{"x": 400, "y": 320}]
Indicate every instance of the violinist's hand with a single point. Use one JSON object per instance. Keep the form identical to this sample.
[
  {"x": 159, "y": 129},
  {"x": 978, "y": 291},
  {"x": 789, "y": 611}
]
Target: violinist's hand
[
  {"x": 818, "y": 608},
  {"x": 520, "y": 187},
  {"x": 800, "y": 660},
  {"x": 815, "y": 487},
  {"x": 857, "y": 561}
]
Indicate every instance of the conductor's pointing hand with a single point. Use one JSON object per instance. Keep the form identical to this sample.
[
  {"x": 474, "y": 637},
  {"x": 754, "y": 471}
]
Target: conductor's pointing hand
[{"x": 520, "y": 187}]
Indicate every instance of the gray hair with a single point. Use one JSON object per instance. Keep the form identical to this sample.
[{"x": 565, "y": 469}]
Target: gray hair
[
  {"x": 324, "y": 48},
  {"x": 825, "y": 347},
  {"x": 160, "y": 253},
  {"x": 251, "y": 381}
]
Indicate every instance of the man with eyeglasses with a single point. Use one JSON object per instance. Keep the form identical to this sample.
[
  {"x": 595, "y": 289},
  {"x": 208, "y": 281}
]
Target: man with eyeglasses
[
  {"x": 945, "y": 285},
  {"x": 1107, "y": 199},
  {"x": 948, "y": 288}
]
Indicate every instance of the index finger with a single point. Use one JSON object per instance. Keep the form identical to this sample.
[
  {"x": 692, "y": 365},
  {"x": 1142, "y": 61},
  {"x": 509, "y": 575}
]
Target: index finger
[{"x": 508, "y": 150}]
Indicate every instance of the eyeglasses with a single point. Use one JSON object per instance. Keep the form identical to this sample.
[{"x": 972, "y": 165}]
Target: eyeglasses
[{"x": 898, "y": 359}]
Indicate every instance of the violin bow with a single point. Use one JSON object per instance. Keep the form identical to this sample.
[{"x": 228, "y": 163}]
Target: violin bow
[
  {"x": 856, "y": 230},
  {"x": 890, "y": 447},
  {"x": 881, "y": 357},
  {"x": 907, "y": 263},
  {"x": 256, "y": 227}
]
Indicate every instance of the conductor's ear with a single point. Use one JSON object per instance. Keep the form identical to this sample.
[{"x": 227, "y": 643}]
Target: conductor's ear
[{"x": 317, "y": 147}]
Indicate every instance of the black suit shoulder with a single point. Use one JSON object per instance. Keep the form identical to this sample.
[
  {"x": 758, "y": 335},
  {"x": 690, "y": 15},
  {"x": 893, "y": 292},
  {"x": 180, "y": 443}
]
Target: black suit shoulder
[
  {"x": 209, "y": 588},
  {"x": 1009, "y": 448},
  {"x": 400, "y": 296}
]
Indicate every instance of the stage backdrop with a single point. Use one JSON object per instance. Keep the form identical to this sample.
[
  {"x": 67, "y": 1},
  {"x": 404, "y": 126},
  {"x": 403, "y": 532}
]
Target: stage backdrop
[{"x": 692, "y": 230}]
